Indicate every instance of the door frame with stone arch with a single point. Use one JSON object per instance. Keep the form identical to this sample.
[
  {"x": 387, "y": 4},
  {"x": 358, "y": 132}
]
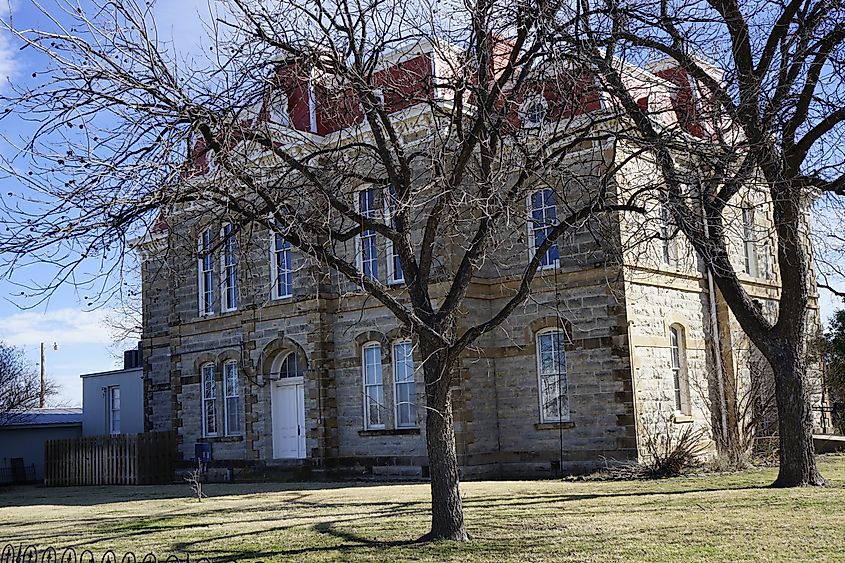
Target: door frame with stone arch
[{"x": 288, "y": 425}]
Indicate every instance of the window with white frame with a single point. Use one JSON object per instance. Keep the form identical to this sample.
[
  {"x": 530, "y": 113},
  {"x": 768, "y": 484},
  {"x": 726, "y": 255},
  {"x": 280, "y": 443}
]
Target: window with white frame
[
  {"x": 113, "y": 398},
  {"x": 749, "y": 248},
  {"x": 209, "y": 400},
  {"x": 367, "y": 241},
  {"x": 230, "y": 268},
  {"x": 533, "y": 111},
  {"x": 394, "y": 266},
  {"x": 668, "y": 245},
  {"x": 677, "y": 358},
  {"x": 282, "y": 267},
  {"x": 206, "y": 273},
  {"x": 232, "y": 404},
  {"x": 290, "y": 367},
  {"x": 404, "y": 385},
  {"x": 543, "y": 209},
  {"x": 373, "y": 387},
  {"x": 551, "y": 371}
]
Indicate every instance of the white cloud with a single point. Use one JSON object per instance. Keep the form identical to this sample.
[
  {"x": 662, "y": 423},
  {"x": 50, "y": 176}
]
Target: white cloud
[
  {"x": 8, "y": 62},
  {"x": 62, "y": 326}
]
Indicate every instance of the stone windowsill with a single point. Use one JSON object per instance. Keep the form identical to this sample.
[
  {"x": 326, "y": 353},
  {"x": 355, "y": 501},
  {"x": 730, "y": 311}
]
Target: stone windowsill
[
  {"x": 390, "y": 432},
  {"x": 220, "y": 439},
  {"x": 554, "y": 425},
  {"x": 682, "y": 419}
]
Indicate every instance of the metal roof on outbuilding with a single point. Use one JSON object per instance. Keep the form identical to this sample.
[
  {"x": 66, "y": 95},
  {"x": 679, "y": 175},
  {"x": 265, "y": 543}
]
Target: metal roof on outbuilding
[{"x": 45, "y": 417}]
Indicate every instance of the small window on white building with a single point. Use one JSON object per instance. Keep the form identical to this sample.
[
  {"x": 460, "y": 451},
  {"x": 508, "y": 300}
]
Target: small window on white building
[
  {"x": 230, "y": 268},
  {"x": 209, "y": 400},
  {"x": 543, "y": 209},
  {"x": 373, "y": 387},
  {"x": 678, "y": 364},
  {"x": 404, "y": 385},
  {"x": 551, "y": 371},
  {"x": 749, "y": 248},
  {"x": 367, "y": 241},
  {"x": 282, "y": 267},
  {"x": 206, "y": 273},
  {"x": 233, "y": 406},
  {"x": 113, "y": 398}
]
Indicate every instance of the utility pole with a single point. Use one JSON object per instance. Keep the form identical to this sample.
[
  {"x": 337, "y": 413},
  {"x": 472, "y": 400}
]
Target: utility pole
[{"x": 41, "y": 397}]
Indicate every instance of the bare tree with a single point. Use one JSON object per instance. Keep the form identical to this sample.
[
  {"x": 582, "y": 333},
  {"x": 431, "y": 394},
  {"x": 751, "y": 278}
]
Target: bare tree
[
  {"x": 140, "y": 141},
  {"x": 768, "y": 121},
  {"x": 20, "y": 385}
]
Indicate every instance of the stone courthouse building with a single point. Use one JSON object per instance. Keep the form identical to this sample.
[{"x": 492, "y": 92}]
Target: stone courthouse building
[{"x": 274, "y": 361}]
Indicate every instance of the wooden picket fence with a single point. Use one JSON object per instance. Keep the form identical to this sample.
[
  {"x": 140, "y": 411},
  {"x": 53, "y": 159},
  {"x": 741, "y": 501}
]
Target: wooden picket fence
[{"x": 123, "y": 459}]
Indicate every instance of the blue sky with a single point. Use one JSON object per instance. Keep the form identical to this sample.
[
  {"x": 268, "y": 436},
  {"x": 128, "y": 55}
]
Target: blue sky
[{"x": 83, "y": 341}]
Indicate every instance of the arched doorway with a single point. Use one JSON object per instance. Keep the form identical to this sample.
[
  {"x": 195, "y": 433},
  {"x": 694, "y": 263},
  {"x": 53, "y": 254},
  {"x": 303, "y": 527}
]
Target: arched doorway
[{"x": 287, "y": 398}]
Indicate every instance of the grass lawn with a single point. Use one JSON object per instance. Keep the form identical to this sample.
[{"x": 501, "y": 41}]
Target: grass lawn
[{"x": 722, "y": 517}]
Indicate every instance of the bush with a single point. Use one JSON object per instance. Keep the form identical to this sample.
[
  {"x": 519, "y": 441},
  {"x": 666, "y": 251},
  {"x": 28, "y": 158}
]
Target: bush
[{"x": 672, "y": 451}]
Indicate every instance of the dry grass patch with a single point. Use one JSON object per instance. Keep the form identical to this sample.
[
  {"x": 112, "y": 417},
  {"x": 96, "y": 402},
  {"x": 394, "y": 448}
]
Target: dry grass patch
[{"x": 713, "y": 517}]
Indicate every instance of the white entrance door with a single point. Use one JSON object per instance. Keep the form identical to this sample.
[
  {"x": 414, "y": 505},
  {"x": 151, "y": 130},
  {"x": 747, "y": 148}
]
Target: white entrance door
[{"x": 288, "y": 399}]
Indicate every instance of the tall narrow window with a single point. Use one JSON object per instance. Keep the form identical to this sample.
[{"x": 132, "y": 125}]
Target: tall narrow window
[
  {"x": 668, "y": 245},
  {"x": 373, "y": 387},
  {"x": 551, "y": 369},
  {"x": 230, "y": 268},
  {"x": 232, "y": 399},
  {"x": 206, "y": 273},
  {"x": 543, "y": 221},
  {"x": 282, "y": 267},
  {"x": 749, "y": 248},
  {"x": 678, "y": 366},
  {"x": 368, "y": 252},
  {"x": 394, "y": 266},
  {"x": 405, "y": 386},
  {"x": 209, "y": 401},
  {"x": 114, "y": 409}
]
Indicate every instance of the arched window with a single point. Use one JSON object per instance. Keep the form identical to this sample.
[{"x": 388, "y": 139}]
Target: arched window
[
  {"x": 209, "y": 400},
  {"x": 205, "y": 267},
  {"x": 678, "y": 364},
  {"x": 533, "y": 111},
  {"x": 232, "y": 405},
  {"x": 405, "y": 388},
  {"x": 290, "y": 367},
  {"x": 373, "y": 386},
  {"x": 551, "y": 373}
]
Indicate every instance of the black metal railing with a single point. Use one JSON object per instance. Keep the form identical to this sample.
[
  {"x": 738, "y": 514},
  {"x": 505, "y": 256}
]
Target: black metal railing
[{"x": 33, "y": 554}]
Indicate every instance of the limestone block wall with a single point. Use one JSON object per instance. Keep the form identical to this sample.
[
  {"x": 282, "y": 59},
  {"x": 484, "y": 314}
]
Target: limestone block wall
[
  {"x": 654, "y": 304},
  {"x": 503, "y": 381}
]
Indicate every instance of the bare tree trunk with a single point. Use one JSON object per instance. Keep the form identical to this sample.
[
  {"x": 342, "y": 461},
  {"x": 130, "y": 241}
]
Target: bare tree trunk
[
  {"x": 447, "y": 513},
  {"x": 795, "y": 424}
]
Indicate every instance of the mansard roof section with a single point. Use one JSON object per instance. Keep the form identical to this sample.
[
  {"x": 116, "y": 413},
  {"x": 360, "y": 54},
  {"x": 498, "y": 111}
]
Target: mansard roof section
[{"x": 305, "y": 102}]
